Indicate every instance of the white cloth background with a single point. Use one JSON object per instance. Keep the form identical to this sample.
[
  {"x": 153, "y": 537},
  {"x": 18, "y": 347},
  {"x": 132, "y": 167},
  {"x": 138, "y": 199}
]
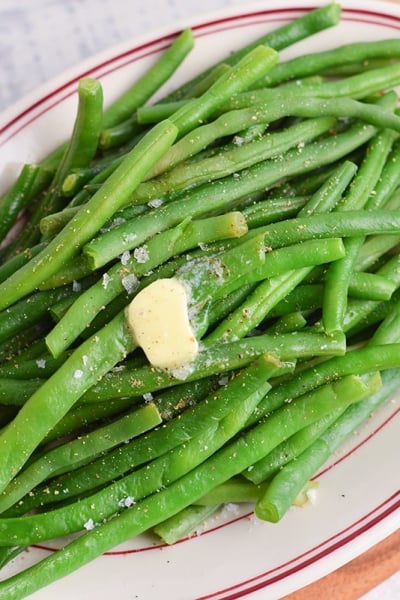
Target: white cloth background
[{"x": 41, "y": 38}]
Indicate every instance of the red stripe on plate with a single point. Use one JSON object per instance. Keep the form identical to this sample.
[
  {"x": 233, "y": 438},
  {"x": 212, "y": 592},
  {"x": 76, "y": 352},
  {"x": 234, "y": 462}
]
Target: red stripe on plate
[
  {"x": 357, "y": 446},
  {"x": 47, "y": 102},
  {"x": 311, "y": 556},
  {"x": 211, "y": 27}
]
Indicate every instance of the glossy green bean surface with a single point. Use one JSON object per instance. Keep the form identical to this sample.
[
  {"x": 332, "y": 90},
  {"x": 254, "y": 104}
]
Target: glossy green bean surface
[{"x": 268, "y": 190}]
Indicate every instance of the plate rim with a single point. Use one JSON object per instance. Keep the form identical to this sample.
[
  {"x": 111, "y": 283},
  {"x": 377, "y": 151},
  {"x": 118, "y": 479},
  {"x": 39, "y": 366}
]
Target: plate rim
[{"x": 16, "y": 112}]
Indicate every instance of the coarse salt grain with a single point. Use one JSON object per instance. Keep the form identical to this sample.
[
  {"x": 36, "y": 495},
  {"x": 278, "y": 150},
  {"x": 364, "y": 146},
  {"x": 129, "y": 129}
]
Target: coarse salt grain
[
  {"x": 130, "y": 283},
  {"x": 78, "y": 374},
  {"x": 238, "y": 140},
  {"x": 141, "y": 254},
  {"x": 106, "y": 280},
  {"x": 125, "y": 257},
  {"x": 126, "y": 502},
  {"x": 117, "y": 222},
  {"x": 89, "y": 525},
  {"x": 156, "y": 203},
  {"x": 129, "y": 238},
  {"x": 312, "y": 495},
  {"x": 41, "y": 363},
  {"x": 183, "y": 372}
]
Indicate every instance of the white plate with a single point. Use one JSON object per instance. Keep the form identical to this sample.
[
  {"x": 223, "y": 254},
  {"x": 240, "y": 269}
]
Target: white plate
[{"x": 358, "y": 500}]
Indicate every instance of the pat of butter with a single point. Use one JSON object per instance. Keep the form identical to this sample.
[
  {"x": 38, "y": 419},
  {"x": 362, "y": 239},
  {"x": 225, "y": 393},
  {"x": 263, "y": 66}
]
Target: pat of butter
[{"x": 158, "y": 318}]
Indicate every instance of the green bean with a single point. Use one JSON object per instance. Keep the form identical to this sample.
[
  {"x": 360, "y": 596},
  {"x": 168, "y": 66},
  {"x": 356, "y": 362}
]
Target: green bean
[
  {"x": 40, "y": 367},
  {"x": 83, "y": 195},
  {"x": 227, "y": 462},
  {"x": 256, "y": 307},
  {"x": 219, "y": 358},
  {"x": 231, "y": 161},
  {"x": 355, "y": 87},
  {"x": 78, "y": 177},
  {"x": 149, "y": 83},
  {"x": 290, "y": 449},
  {"x": 53, "y": 223},
  {"x": 123, "y": 132},
  {"x": 22, "y": 341},
  {"x": 235, "y": 490},
  {"x": 90, "y": 218},
  {"x": 282, "y": 271},
  {"x": 341, "y": 107},
  {"x": 17, "y": 261},
  {"x": 369, "y": 173},
  {"x": 73, "y": 272},
  {"x": 388, "y": 330},
  {"x": 8, "y": 553},
  {"x": 304, "y": 297},
  {"x": 223, "y": 306},
  {"x": 291, "y": 322},
  {"x": 123, "y": 277},
  {"x": 306, "y": 185},
  {"x": 284, "y": 487},
  {"x": 314, "y": 63},
  {"x": 15, "y": 199},
  {"x": 15, "y": 392},
  {"x": 343, "y": 224},
  {"x": 84, "y": 139},
  {"x": 372, "y": 314},
  {"x": 28, "y": 311},
  {"x": 263, "y": 299},
  {"x": 361, "y": 361},
  {"x": 277, "y": 209},
  {"x": 253, "y": 65},
  {"x": 374, "y": 248},
  {"x": 370, "y": 286},
  {"x": 83, "y": 448},
  {"x": 200, "y": 414},
  {"x": 244, "y": 392},
  {"x": 263, "y": 212},
  {"x": 225, "y": 191},
  {"x": 204, "y": 82},
  {"x": 305, "y": 254},
  {"x": 358, "y": 310},
  {"x": 82, "y": 416},
  {"x": 276, "y": 104},
  {"x": 335, "y": 295},
  {"x": 79, "y": 150},
  {"x": 39, "y": 185},
  {"x": 328, "y": 195},
  {"x": 184, "y": 523},
  {"x": 311, "y": 22},
  {"x": 91, "y": 360},
  {"x": 389, "y": 180},
  {"x": 189, "y": 145}
]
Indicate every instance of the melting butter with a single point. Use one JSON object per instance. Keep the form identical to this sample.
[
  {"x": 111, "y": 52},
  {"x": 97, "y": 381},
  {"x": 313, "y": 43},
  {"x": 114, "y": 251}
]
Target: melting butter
[{"x": 158, "y": 318}]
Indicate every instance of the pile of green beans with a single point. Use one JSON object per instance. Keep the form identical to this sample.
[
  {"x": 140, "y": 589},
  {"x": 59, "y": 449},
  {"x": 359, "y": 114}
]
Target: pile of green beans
[{"x": 271, "y": 191}]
